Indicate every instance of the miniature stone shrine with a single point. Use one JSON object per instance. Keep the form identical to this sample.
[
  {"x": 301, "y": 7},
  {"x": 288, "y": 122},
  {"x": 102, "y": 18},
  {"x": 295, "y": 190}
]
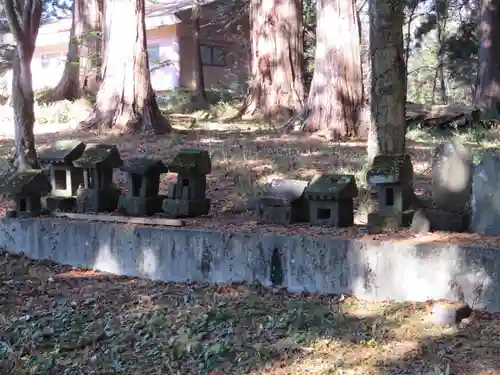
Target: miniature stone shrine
[
  {"x": 186, "y": 197},
  {"x": 143, "y": 179},
  {"x": 330, "y": 199},
  {"x": 451, "y": 187},
  {"x": 63, "y": 175},
  {"x": 27, "y": 189},
  {"x": 392, "y": 178},
  {"x": 98, "y": 192},
  {"x": 486, "y": 194},
  {"x": 283, "y": 202}
]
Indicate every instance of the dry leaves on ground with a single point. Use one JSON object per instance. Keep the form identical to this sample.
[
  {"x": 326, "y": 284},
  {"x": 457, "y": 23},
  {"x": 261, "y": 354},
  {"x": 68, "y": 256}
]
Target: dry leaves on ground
[{"x": 59, "y": 320}]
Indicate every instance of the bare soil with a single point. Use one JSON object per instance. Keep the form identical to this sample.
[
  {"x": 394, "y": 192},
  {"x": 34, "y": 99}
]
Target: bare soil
[{"x": 55, "y": 319}]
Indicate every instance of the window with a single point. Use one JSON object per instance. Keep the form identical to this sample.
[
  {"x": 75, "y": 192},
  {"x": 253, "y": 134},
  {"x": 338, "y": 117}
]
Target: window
[
  {"x": 154, "y": 56},
  {"x": 51, "y": 60},
  {"x": 324, "y": 213},
  {"x": 213, "y": 55}
]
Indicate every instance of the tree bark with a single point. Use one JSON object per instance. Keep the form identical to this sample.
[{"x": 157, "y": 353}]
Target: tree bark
[
  {"x": 24, "y": 27},
  {"x": 276, "y": 89},
  {"x": 81, "y": 72},
  {"x": 487, "y": 95},
  {"x": 126, "y": 101},
  {"x": 388, "y": 74},
  {"x": 200, "y": 95},
  {"x": 335, "y": 103}
]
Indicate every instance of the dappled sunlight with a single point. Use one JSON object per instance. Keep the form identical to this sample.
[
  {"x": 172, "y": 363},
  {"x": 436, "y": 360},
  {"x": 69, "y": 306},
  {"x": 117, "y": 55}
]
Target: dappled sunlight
[{"x": 107, "y": 261}]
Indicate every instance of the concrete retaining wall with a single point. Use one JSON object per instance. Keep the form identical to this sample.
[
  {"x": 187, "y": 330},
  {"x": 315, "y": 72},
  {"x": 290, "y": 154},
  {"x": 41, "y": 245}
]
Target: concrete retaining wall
[{"x": 327, "y": 265}]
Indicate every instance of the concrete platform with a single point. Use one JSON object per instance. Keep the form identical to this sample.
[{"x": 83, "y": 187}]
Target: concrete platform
[{"x": 327, "y": 265}]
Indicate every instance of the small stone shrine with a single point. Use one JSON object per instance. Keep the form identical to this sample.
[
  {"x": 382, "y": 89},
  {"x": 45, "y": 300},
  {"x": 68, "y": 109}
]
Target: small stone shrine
[
  {"x": 486, "y": 194},
  {"x": 330, "y": 199},
  {"x": 27, "y": 189},
  {"x": 283, "y": 203},
  {"x": 98, "y": 193},
  {"x": 63, "y": 175},
  {"x": 187, "y": 196},
  {"x": 143, "y": 180},
  {"x": 392, "y": 178}
]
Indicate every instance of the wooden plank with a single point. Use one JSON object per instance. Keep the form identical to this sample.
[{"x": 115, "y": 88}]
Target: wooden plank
[{"x": 120, "y": 219}]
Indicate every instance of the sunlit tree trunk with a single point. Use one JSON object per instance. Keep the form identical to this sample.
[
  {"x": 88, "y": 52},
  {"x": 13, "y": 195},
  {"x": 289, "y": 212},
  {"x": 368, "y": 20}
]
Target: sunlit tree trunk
[
  {"x": 24, "y": 27},
  {"x": 200, "y": 95},
  {"x": 487, "y": 95},
  {"x": 276, "y": 89},
  {"x": 335, "y": 102},
  {"x": 126, "y": 101},
  {"x": 388, "y": 89}
]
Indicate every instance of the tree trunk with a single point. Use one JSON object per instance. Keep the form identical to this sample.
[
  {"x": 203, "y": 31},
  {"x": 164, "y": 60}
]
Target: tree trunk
[
  {"x": 200, "y": 95},
  {"x": 126, "y": 101},
  {"x": 487, "y": 96},
  {"x": 276, "y": 90},
  {"x": 335, "y": 103},
  {"x": 441, "y": 13},
  {"x": 68, "y": 87},
  {"x": 24, "y": 27},
  {"x": 81, "y": 72},
  {"x": 90, "y": 17},
  {"x": 388, "y": 90}
]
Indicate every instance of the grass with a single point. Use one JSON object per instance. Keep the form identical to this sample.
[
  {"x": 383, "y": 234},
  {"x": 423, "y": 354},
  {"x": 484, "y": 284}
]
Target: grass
[{"x": 59, "y": 320}]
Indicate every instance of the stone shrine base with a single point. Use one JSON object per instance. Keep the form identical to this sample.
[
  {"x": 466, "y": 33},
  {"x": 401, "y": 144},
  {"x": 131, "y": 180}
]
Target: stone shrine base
[{"x": 369, "y": 270}]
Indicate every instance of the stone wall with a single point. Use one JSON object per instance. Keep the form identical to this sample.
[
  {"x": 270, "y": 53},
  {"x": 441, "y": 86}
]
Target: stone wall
[{"x": 327, "y": 265}]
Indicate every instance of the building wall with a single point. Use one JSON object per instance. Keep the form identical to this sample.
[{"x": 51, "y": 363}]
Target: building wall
[
  {"x": 170, "y": 49},
  {"x": 214, "y": 36}
]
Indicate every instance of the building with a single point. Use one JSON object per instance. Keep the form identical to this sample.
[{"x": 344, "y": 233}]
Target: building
[{"x": 224, "y": 48}]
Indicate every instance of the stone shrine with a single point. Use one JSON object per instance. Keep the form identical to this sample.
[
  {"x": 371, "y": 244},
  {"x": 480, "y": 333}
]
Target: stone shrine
[
  {"x": 27, "y": 189},
  {"x": 63, "y": 175},
  {"x": 187, "y": 196},
  {"x": 391, "y": 176},
  {"x": 283, "y": 202},
  {"x": 98, "y": 192},
  {"x": 143, "y": 180},
  {"x": 451, "y": 186},
  {"x": 486, "y": 194},
  {"x": 330, "y": 199}
]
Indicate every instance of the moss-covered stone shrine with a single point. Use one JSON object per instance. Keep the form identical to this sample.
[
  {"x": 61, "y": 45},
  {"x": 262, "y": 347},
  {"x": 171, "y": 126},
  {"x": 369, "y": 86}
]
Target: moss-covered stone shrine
[
  {"x": 98, "y": 192},
  {"x": 187, "y": 196},
  {"x": 143, "y": 184}
]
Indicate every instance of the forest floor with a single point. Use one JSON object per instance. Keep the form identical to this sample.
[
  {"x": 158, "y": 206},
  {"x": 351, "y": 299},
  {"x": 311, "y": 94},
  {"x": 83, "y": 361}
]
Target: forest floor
[{"x": 56, "y": 319}]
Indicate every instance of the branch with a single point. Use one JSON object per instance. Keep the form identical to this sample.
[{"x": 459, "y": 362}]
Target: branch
[
  {"x": 14, "y": 25},
  {"x": 26, "y": 14},
  {"x": 36, "y": 17}
]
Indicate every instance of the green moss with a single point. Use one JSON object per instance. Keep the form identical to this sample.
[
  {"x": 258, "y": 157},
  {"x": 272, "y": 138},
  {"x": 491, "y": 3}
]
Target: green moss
[{"x": 191, "y": 160}]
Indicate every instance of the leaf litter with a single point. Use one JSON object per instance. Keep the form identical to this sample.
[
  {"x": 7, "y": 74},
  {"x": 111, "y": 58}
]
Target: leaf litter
[{"x": 57, "y": 319}]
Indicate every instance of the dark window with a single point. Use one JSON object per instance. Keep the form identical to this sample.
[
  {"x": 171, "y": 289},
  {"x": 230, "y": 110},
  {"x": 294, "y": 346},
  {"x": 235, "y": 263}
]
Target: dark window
[
  {"x": 60, "y": 179},
  {"x": 324, "y": 213},
  {"x": 389, "y": 197},
  {"x": 136, "y": 185},
  {"x": 213, "y": 55},
  {"x": 22, "y": 205}
]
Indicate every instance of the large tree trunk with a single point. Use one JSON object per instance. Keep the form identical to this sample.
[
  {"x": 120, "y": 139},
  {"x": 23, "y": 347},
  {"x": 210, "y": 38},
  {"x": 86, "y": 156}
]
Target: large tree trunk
[
  {"x": 335, "y": 102},
  {"x": 81, "y": 72},
  {"x": 276, "y": 89},
  {"x": 388, "y": 89},
  {"x": 487, "y": 96},
  {"x": 200, "y": 95},
  {"x": 126, "y": 101},
  {"x": 24, "y": 27}
]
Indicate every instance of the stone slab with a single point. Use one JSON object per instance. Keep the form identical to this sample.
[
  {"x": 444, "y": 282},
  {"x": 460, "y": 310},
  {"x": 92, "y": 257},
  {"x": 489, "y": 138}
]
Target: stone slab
[{"x": 368, "y": 270}]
